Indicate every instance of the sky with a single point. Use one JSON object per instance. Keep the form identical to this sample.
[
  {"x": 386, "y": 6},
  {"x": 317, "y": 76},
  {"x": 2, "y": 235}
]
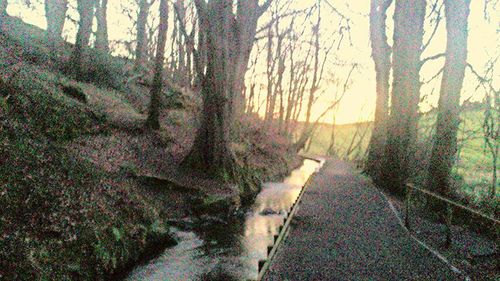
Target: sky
[{"x": 358, "y": 103}]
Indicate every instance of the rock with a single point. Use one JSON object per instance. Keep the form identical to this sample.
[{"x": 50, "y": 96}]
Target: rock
[
  {"x": 268, "y": 212},
  {"x": 184, "y": 224},
  {"x": 75, "y": 92}
]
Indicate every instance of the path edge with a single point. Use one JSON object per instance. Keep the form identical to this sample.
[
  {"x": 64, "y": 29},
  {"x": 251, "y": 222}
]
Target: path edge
[{"x": 263, "y": 265}]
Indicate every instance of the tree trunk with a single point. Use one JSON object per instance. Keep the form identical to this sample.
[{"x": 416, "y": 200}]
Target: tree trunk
[
  {"x": 271, "y": 96},
  {"x": 381, "y": 54},
  {"x": 229, "y": 40},
  {"x": 101, "y": 39},
  {"x": 445, "y": 139},
  {"x": 247, "y": 15},
  {"x": 291, "y": 87},
  {"x": 86, "y": 12},
  {"x": 55, "y": 13},
  {"x": 494, "y": 180},
  {"x": 142, "y": 38},
  {"x": 181, "y": 45},
  {"x": 153, "y": 121},
  {"x": 211, "y": 146},
  {"x": 402, "y": 125},
  {"x": 202, "y": 55},
  {"x": 331, "y": 148}
]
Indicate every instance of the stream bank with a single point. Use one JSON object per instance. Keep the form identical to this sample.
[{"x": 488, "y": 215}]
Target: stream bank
[
  {"x": 72, "y": 208},
  {"x": 214, "y": 248}
]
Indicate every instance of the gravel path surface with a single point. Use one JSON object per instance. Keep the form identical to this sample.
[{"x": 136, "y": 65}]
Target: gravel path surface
[{"x": 344, "y": 230}]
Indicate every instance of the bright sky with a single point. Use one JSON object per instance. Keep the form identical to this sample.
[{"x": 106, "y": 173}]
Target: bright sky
[{"x": 358, "y": 104}]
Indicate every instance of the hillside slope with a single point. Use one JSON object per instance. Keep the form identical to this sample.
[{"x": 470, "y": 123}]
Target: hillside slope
[{"x": 76, "y": 164}]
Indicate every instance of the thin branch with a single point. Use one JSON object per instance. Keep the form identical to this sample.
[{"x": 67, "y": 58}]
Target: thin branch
[
  {"x": 435, "y": 76},
  {"x": 434, "y": 57},
  {"x": 438, "y": 21},
  {"x": 264, "y": 7}
]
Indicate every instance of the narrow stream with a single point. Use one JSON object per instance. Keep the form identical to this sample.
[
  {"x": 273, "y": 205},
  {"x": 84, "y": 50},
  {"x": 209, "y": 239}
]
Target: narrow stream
[{"x": 230, "y": 250}]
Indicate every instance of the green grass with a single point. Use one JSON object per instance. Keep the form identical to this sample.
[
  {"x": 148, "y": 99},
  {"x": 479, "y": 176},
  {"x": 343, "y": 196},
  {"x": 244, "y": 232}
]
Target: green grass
[
  {"x": 473, "y": 171},
  {"x": 346, "y": 140}
]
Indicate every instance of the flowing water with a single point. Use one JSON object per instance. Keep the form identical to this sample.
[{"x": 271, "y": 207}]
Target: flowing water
[{"x": 230, "y": 250}]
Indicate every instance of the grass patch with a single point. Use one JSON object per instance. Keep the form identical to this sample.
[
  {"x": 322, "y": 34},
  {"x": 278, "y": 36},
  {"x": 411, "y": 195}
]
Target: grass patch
[{"x": 472, "y": 172}]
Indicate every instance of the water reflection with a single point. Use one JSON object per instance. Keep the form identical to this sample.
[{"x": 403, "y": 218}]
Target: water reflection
[{"x": 231, "y": 250}]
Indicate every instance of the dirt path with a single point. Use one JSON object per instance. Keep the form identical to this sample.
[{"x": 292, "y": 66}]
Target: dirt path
[{"x": 345, "y": 230}]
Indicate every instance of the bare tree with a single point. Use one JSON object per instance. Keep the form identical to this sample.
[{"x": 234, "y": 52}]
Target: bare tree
[
  {"x": 305, "y": 137},
  {"x": 490, "y": 128},
  {"x": 55, "y": 13},
  {"x": 271, "y": 65},
  {"x": 230, "y": 37},
  {"x": 357, "y": 140},
  {"x": 381, "y": 54},
  {"x": 445, "y": 139},
  {"x": 402, "y": 125},
  {"x": 181, "y": 72},
  {"x": 154, "y": 106},
  {"x": 101, "y": 38},
  {"x": 86, "y": 11},
  {"x": 491, "y": 133},
  {"x": 141, "y": 42}
]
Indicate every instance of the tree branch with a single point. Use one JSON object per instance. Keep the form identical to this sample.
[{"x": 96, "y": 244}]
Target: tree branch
[
  {"x": 264, "y": 7},
  {"x": 434, "y": 57}
]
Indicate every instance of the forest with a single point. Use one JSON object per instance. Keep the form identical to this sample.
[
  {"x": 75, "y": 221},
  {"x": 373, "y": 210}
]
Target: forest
[{"x": 130, "y": 130}]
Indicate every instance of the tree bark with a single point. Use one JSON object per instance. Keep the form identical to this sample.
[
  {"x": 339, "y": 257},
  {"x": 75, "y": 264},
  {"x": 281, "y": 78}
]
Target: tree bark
[
  {"x": 247, "y": 15},
  {"x": 153, "y": 121},
  {"x": 271, "y": 96},
  {"x": 229, "y": 40},
  {"x": 86, "y": 12},
  {"x": 381, "y": 54},
  {"x": 55, "y": 13},
  {"x": 445, "y": 139},
  {"x": 315, "y": 81},
  {"x": 142, "y": 38},
  {"x": 181, "y": 71},
  {"x": 101, "y": 39},
  {"x": 402, "y": 126}
]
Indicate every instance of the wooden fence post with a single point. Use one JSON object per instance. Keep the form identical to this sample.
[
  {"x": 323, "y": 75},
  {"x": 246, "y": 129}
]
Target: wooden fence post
[
  {"x": 407, "y": 206},
  {"x": 448, "y": 221}
]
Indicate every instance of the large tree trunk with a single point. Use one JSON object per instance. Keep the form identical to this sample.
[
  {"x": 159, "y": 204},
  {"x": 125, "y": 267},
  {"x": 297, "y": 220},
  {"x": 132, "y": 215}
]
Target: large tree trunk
[
  {"x": 142, "y": 38},
  {"x": 154, "y": 105},
  {"x": 181, "y": 71},
  {"x": 55, "y": 13},
  {"x": 445, "y": 139},
  {"x": 381, "y": 54},
  {"x": 247, "y": 15},
  {"x": 402, "y": 126},
  {"x": 86, "y": 12},
  {"x": 229, "y": 40},
  {"x": 211, "y": 150},
  {"x": 101, "y": 38},
  {"x": 201, "y": 54}
]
